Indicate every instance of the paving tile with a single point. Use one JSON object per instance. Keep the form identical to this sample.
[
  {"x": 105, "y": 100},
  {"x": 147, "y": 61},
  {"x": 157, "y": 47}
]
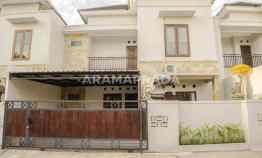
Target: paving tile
[{"x": 106, "y": 154}]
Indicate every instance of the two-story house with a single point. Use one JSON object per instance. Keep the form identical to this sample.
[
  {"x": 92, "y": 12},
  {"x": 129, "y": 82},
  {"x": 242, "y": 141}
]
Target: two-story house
[
  {"x": 96, "y": 61},
  {"x": 176, "y": 39},
  {"x": 62, "y": 80},
  {"x": 238, "y": 28}
]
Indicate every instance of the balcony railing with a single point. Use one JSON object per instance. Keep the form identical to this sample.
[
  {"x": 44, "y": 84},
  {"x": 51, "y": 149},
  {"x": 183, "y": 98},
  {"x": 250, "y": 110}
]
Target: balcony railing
[
  {"x": 94, "y": 64},
  {"x": 112, "y": 63},
  {"x": 235, "y": 59}
]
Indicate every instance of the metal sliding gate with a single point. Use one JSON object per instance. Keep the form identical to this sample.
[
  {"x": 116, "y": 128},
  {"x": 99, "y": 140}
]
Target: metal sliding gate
[{"x": 28, "y": 125}]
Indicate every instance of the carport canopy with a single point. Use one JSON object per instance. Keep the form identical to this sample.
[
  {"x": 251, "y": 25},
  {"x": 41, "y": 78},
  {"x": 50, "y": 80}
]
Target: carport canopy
[{"x": 83, "y": 78}]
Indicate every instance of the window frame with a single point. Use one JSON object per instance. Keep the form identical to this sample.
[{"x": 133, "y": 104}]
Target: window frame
[
  {"x": 23, "y": 44},
  {"x": 186, "y": 26},
  {"x": 105, "y": 101}
]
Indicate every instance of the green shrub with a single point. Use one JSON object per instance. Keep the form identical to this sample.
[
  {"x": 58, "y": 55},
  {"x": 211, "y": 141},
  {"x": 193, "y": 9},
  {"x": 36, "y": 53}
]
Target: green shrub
[{"x": 212, "y": 134}]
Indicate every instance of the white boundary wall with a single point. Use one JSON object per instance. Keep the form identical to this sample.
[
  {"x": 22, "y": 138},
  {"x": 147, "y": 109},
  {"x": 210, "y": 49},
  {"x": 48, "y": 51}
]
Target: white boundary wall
[{"x": 164, "y": 118}]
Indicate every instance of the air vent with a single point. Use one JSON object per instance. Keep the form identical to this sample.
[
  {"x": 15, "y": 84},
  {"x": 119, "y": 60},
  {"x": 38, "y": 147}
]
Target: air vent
[{"x": 171, "y": 68}]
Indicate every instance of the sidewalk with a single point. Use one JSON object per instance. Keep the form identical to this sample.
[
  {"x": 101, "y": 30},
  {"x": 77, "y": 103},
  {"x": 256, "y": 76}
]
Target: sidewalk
[{"x": 100, "y": 154}]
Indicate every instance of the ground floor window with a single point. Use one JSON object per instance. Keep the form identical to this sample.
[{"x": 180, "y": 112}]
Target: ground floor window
[
  {"x": 113, "y": 101},
  {"x": 131, "y": 100},
  {"x": 120, "y": 100},
  {"x": 181, "y": 96}
]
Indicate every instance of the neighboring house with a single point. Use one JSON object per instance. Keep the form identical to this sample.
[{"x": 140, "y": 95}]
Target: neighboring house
[
  {"x": 239, "y": 28},
  {"x": 101, "y": 72}
]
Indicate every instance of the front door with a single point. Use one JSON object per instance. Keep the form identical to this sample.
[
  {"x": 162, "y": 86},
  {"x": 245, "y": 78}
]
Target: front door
[
  {"x": 246, "y": 54},
  {"x": 131, "y": 58}
]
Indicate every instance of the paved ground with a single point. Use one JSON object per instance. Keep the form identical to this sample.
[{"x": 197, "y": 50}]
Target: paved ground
[{"x": 99, "y": 154}]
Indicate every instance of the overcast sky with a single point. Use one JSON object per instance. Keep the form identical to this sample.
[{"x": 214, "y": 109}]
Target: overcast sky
[{"x": 68, "y": 8}]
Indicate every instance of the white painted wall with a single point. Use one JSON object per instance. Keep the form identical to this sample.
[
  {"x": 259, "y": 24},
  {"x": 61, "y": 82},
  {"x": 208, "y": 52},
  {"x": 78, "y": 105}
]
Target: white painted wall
[
  {"x": 163, "y": 139},
  {"x": 254, "y": 120},
  {"x": 57, "y": 41},
  {"x": 20, "y": 9},
  {"x": 40, "y": 39},
  {"x": 195, "y": 114},
  {"x": 47, "y": 41},
  {"x": 256, "y": 44},
  {"x": 110, "y": 46},
  {"x": 29, "y": 90},
  {"x": 151, "y": 43},
  {"x": 228, "y": 84},
  {"x": 255, "y": 82},
  {"x": 113, "y": 20},
  {"x": 228, "y": 45}
]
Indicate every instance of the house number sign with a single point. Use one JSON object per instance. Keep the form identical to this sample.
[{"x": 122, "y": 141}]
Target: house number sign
[{"x": 159, "y": 121}]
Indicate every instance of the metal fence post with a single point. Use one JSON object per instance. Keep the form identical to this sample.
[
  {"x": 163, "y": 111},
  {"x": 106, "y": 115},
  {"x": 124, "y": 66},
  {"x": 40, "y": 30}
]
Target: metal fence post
[
  {"x": 141, "y": 126},
  {"x": 4, "y": 125}
]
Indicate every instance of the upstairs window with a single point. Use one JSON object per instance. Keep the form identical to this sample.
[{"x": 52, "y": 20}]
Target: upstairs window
[
  {"x": 177, "y": 41},
  {"x": 76, "y": 43},
  {"x": 22, "y": 45}
]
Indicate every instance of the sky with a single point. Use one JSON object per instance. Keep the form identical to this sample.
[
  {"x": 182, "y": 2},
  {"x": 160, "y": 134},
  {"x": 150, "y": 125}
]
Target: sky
[{"x": 68, "y": 8}]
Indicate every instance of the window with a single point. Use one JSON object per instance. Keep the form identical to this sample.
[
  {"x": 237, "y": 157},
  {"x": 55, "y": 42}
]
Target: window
[
  {"x": 177, "y": 41},
  {"x": 181, "y": 96},
  {"x": 22, "y": 44},
  {"x": 76, "y": 43},
  {"x": 113, "y": 101},
  {"x": 131, "y": 100}
]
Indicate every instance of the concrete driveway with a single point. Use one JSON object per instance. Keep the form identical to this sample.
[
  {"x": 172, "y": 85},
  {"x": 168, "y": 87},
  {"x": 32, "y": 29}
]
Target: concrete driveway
[{"x": 100, "y": 154}]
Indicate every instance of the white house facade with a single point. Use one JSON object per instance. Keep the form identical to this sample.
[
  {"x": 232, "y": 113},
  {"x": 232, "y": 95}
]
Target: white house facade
[{"x": 54, "y": 77}]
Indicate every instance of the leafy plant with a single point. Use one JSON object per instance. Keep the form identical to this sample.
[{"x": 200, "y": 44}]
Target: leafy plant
[{"x": 212, "y": 134}]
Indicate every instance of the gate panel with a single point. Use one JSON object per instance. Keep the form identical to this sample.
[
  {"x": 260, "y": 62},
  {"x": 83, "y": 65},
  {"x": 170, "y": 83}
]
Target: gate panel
[
  {"x": 16, "y": 124},
  {"x": 54, "y": 128}
]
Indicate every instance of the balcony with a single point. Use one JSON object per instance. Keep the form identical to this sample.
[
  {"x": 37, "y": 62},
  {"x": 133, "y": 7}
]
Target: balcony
[
  {"x": 235, "y": 59},
  {"x": 112, "y": 64},
  {"x": 108, "y": 64}
]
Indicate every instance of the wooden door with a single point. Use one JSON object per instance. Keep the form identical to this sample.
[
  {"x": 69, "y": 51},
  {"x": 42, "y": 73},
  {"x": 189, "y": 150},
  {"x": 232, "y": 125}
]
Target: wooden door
[
  {"x": 131, "y": 58},
  {"x": 246, "y": 54}
]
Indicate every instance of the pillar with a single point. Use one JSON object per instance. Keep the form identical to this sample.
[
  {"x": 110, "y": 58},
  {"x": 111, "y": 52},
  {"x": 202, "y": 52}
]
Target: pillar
[{"x": 216, "y": 88}]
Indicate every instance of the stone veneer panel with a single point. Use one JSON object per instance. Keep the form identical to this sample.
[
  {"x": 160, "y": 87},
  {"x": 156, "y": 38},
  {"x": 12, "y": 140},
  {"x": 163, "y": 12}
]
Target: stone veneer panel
[
  {"x": 76, "y": 55},
  {"x": 151, "y": 70}
]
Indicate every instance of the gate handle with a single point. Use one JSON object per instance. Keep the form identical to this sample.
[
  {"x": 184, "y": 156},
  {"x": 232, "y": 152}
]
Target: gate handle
[{"x": 29, "y": 121}]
